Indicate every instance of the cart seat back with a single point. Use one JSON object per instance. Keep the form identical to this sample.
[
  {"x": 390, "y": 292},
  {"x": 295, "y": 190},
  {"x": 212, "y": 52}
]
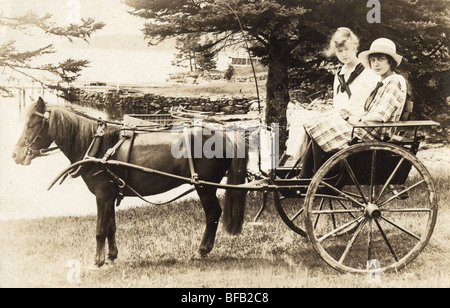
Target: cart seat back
[
  {"x": 401, "y": 135},
  {"x": 407, "y": 110}
]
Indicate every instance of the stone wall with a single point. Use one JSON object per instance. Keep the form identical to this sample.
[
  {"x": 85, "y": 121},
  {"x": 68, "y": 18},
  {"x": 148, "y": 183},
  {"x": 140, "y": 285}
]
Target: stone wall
[{"x": 151, "y": 103}]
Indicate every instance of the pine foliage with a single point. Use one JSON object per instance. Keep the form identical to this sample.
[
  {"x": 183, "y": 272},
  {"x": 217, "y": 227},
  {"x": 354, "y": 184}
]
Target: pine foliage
[
  {"x": 24, "y": 61},
  {"x": 290, "y": 36}
]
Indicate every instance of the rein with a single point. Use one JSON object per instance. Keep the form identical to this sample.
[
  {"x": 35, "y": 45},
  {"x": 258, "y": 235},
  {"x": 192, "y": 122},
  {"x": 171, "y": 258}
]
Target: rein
[{"x": 76, "y": 169}]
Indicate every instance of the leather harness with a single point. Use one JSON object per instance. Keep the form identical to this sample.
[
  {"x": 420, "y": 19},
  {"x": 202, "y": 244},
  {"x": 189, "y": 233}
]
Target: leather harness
[{"x": 122, "y": 150}]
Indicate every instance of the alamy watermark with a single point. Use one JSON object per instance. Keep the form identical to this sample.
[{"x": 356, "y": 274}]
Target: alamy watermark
[
  {"x": 223, "y": 141},
  {"x": 73, "y": 275},
  {"x": 74, "y": 11},
  {"x": 374, "y": 273},
  {"x": 374, "y": 14}
]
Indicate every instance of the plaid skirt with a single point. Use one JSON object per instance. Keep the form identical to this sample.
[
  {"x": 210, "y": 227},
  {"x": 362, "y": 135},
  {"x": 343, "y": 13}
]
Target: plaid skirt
[{"x": 331, "y": 133}]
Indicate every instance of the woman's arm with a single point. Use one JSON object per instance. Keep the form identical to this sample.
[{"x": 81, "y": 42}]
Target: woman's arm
[
  {"x": 392, "y": 99},
  {"x": 355, "y": 119}
]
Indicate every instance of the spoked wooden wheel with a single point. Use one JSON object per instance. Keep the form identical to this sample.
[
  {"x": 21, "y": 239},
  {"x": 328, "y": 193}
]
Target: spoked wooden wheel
[
  {"x": 291, "y": 212},
  {"x": 378, "y": 216}
]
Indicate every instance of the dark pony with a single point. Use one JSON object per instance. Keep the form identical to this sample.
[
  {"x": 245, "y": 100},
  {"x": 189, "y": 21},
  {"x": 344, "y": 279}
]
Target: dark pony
[{"x": 73, "y": 134}]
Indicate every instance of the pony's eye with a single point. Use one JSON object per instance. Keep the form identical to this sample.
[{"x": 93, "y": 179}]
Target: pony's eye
[{"x": 34, "y": 121}]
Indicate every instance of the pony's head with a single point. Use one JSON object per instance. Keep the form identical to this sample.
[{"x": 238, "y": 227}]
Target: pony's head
[{"x": 35, "y": 136}]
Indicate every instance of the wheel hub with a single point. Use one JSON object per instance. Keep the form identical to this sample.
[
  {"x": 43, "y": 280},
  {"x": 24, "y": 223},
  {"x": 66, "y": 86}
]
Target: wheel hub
[{"x": 373, "y": 211}]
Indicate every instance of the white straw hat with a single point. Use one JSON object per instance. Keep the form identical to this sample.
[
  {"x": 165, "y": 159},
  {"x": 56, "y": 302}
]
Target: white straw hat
[{"x": 381, "y": 45}]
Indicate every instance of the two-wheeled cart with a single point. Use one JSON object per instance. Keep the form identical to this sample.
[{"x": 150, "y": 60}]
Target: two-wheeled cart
[{"x": 370, "y": 207}]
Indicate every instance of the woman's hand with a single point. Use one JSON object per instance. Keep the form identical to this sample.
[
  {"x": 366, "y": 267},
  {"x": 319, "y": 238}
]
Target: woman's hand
[
  {"x": 345, "y": 114},
  {"x": 354, "y": 120}
]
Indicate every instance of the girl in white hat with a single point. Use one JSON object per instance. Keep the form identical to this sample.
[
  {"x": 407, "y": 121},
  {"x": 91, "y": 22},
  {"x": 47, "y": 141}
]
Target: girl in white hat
[
  {"x": 387, "y": 100},
  {"x": 352, "y": 86},
  {"x": 385, "y": 103}
]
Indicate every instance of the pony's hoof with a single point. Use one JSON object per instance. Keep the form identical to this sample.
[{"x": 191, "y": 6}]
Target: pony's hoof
[
  {"x": 93, "y": 268},
  {"x": 111, "y": 262},
  {"x": 99, "y": 264},
  {"x": 108, "y": 264},
  {"x": 198, "y": 256}
]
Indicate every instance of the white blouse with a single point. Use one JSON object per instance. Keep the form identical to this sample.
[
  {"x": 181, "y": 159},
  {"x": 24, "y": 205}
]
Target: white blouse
[{"x": 360, "y": 88}]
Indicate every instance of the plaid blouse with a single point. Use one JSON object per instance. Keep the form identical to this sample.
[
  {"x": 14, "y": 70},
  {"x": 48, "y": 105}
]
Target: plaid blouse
[{"x": 333, "y": 133}]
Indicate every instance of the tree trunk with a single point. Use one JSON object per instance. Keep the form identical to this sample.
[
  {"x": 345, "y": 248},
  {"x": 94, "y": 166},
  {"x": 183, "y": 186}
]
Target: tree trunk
[{"x": 278, "y": 90}]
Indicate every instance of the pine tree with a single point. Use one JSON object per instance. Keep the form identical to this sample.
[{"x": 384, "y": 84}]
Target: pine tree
[
  {"x": 206, "y": 57},
  {"x": 291, "y": 34},
  {"x": 192, "y": 52},
  {"x": 186, "y": 46}
]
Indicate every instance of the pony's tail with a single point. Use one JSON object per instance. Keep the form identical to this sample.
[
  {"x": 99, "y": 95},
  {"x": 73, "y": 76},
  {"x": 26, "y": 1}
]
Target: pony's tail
[{"x": 235, "y": 200}]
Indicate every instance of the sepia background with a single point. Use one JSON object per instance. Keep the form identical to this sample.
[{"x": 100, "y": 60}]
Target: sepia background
[{"x": 48, "y": 237}]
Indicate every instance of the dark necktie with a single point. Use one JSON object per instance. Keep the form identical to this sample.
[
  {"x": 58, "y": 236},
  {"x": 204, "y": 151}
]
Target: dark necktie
[
  {"x": 344, "y": 86},
  {"x": 372, "y": 96}
]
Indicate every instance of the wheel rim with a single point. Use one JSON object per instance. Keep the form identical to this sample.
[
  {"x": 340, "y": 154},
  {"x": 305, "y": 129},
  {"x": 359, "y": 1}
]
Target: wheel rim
[
  {"x": 366, "y": 223},
  {"x": 291, "y": 212}
]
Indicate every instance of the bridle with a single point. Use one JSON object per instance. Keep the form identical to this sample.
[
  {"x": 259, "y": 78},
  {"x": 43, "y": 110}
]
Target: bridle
[{"x": 29, "y": 151}]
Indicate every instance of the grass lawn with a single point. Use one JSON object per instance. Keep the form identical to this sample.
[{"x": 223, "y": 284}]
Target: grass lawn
[
  {"x": 156, "y": 243},
  {"x": 218, "y": 89}
]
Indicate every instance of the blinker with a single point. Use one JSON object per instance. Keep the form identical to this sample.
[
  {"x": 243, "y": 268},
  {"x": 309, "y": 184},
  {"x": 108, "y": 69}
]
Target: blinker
[{"x": 45, "y": 115}]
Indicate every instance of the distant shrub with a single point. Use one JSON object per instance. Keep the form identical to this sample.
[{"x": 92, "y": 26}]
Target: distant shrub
[{"x": 229, "y": 73}]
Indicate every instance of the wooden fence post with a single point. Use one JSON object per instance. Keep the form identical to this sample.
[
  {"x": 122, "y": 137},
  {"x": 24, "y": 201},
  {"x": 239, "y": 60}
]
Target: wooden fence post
[
  {"x": 20, "y": 101},
  {"x": 24, "y": 99}
]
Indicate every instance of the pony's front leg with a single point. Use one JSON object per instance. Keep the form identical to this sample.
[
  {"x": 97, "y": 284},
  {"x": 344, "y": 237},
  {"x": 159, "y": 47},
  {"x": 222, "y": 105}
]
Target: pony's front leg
[{"x": 106, "y": 228}]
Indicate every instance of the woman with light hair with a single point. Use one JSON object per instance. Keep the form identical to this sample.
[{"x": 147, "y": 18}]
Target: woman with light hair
[
  {"x": 352, "y": 86},
  {"x": 353, "y": 82}
]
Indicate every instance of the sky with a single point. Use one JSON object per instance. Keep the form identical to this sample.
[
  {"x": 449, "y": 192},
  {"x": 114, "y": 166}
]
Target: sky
[
  {"x": 118, "y": 52},
  {"x": 112, "y": 12}
]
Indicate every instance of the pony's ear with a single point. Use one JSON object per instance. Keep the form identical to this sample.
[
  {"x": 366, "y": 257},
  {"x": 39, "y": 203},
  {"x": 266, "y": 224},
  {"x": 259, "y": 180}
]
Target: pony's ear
[{"x": 40, "y": 105}]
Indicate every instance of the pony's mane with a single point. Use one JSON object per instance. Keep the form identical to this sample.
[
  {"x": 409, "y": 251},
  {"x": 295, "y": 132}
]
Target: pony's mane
[{"x": 74, "y": 133}]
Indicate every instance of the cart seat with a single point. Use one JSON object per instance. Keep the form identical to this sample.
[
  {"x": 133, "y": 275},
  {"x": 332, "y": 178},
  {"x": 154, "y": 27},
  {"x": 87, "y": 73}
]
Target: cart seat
[{"x": 403, "y": 133}]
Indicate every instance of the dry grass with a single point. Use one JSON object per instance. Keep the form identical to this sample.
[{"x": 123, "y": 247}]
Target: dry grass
[
  {"x": 156, "y": 243},
  {"x": 218, "y": 89}
]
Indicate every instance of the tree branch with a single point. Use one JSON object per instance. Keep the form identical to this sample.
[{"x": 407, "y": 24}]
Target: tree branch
[{"x": 80, "y": 31}]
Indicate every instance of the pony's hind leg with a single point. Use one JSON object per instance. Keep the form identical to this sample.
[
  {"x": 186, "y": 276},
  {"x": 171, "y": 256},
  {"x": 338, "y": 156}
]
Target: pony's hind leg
[
  {"x": 112, "y": 246},
  {"x": 106, "y": 228},
  {"x": 213, "y": 211}
]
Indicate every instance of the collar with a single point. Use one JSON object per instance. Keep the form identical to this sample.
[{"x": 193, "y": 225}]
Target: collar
[
  {"x": 387, "y": 79},
  {"x": 399, "y": 78},
  {"x": 344, "y": 70}
]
